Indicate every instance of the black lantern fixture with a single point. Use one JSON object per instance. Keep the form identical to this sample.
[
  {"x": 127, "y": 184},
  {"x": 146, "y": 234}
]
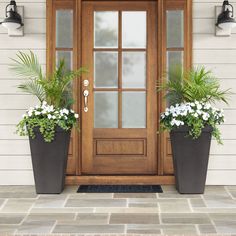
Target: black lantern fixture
[
  {"x": 13, "y": 19},
  {"x": 226, "y": 19}
]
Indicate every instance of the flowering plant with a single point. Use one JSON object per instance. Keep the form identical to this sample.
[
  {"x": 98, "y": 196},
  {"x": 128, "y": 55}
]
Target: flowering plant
[
  {"x": 46, "y": 117},
  {"x": 54, "y": 92},
  {"x": 195, "y": 115}
]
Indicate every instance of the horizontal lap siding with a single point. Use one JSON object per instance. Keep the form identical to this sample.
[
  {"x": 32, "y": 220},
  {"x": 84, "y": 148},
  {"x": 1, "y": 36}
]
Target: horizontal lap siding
[
  {"x": 216, "y": 53},
  {"x": 15, "y": 160}
]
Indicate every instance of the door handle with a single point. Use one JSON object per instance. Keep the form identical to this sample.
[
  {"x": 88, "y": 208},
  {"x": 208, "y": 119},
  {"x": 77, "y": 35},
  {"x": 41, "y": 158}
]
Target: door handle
[{"x": 86, "y": 94}]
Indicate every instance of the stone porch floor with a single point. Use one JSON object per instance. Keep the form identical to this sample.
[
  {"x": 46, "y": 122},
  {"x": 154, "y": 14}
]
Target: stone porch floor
[{"x": 24, "y": 212}]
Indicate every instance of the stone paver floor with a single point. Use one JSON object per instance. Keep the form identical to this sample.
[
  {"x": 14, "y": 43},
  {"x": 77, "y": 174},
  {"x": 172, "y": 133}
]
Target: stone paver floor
[{"x": 22, "y": 212}]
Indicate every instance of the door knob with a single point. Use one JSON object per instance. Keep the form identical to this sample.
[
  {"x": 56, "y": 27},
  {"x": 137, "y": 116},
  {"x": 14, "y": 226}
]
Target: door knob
[{"x": 86, "y": 94}]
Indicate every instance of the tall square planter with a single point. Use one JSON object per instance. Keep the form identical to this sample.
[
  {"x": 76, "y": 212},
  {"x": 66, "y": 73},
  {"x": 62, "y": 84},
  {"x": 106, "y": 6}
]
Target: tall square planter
[
  {"x": 50, "y": 161},
  {"x": 190, "y": 159}
]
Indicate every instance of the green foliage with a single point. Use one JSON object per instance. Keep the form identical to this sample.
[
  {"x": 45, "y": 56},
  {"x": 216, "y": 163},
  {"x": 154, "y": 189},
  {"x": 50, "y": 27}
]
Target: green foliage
[
  {"x": 55, "y": 88},
  {"x": 54, "y": 92},
  {"x": 193, "y": 85},
  {"x": 46, "y": 118},
  {"x": 195, "y": 115}
]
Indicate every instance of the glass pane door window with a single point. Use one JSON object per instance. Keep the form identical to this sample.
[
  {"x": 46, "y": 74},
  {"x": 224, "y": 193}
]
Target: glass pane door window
[{"x": 119, "y": 52}]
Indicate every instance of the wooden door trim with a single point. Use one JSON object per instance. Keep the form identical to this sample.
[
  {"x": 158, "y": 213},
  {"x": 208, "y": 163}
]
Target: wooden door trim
[{"x": 117, "y": 180}]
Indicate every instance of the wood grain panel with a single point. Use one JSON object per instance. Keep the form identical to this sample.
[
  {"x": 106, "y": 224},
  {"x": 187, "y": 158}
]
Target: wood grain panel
[{"x": 120, "y": 147}]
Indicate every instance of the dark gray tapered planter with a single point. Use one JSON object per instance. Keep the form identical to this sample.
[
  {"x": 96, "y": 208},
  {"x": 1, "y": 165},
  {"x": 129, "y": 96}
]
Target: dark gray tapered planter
[
  {"x": 190, "y": 158},
  {"x": 50, "y": 161}
]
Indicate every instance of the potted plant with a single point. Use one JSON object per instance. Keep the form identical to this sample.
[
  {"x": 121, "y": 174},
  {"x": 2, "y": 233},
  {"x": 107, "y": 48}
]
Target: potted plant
[
  {"x": 49, "y": 123},
  {"x": 192, "y": 121}
]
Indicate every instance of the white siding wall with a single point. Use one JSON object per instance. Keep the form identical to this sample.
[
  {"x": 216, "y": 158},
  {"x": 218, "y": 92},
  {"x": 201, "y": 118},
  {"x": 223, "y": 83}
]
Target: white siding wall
[
  {"x": 15, "y": 163},
  {"x": 218, "y": 54}
]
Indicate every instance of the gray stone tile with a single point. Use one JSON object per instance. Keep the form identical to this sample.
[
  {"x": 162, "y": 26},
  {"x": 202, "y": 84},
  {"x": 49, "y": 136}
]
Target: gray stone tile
[
  {"x": 89, "y": 229},
  {"x": 70, "y": 190},
  {"x": 175, "y": 206},
  {"x": 63, "y": 210},
  {"x": 17, "y": 192},
  {"x": 220, "y": 202},
  {"x": 215, "y": 191},
  {"x": 96, "y": 203},
  {"x": 185, "y": 218},
  {"x": 180, "y": 230},
  {"x": 156, "y": 228},
  {"x": 144, "y": 204},
  {"x": 1, "y": 202},
  {"x": 197, "y": 203},
  {"x": 233, "y": 193},
  {"x": 231, "y": 187},
  {"x": 117, "y": 218},
  {"x": 214, "y": 210},
  {"x": 177, "y": 195},
  {"x": 207, "y": 229},
  {"x": 50, "y": 217},
  {"x": 50, "y": 201},
  {"x": 123, "y": 210},
  {"x": 18, "y": 205},
  {"x": 35, "y": 227},
  {"x": 225, "y": 226},
  {"x": 135, "y": 195},
  {"x": 143, "y": 229},
  {"x": 92, "y": 219},
  {"x": 223, "y": 216},
  {"x": 9, "y": 218},
  {"x": 91, "y": 196},
  {"x": 7, "y": 229},
  {"x": 169, "y": 189}
]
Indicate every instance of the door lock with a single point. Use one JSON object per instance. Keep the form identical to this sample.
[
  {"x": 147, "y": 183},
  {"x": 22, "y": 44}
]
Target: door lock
[
  {"x": 86, "y": 83},
  {"x": 86, "y": 94}
]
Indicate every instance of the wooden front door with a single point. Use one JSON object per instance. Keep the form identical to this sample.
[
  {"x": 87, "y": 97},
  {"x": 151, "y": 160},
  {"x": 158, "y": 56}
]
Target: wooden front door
[{"x": 119, "y": 111}]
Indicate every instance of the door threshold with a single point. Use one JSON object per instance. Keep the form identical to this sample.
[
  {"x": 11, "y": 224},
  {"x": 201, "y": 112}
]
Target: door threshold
[{"x": 113, "y": 180}]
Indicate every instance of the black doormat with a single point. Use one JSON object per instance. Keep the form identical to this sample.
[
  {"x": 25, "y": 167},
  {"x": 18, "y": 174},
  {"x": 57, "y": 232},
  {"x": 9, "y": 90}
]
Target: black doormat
[{"x": 120, "y": 189}]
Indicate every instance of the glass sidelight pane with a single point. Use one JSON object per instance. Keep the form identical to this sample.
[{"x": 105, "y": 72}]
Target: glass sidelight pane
[
  {"x": 105, "y": 29},
  {"x": 64, "y": 28},
  {"x": 175, "y": 28},
  {"x": 134, "y": 109},
  {"x": 105, "y": 69},
  {"x": 134, "y": 29},
  {"x": 174, "y": 62},
  {"x": 67, "y": 56},
  {"x": 105, "y": 109},
  {"x": 134, "y": 70}
]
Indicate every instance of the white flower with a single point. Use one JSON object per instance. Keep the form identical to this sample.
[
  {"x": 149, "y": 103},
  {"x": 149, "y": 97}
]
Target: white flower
[
  {"x": 49, "y": 116},
  {"x": 72, "y": 111},
  {"x": 199, "y": 106},
  {"x": 167, "y": 113},
  {"x": 76, "y": 116},
  {"x": 37, "y": 113},
  {"x": 30, "y": 113},
  {"x": 65, "y": 111},
  {"x": 53, "y": 117},
  {"x": 195, "y": 115},
  {"x": 24, "y": 115}
]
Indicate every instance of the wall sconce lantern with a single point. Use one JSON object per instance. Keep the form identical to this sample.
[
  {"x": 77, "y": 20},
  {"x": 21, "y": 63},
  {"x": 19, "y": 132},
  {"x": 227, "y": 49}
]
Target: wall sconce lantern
[
  {"x": 13, "y": 21},
  {"x": 225, "y": 21}
]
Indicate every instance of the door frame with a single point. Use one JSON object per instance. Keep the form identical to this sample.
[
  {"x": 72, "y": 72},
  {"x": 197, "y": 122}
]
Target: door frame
[{"x": 163, "y": 154}]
